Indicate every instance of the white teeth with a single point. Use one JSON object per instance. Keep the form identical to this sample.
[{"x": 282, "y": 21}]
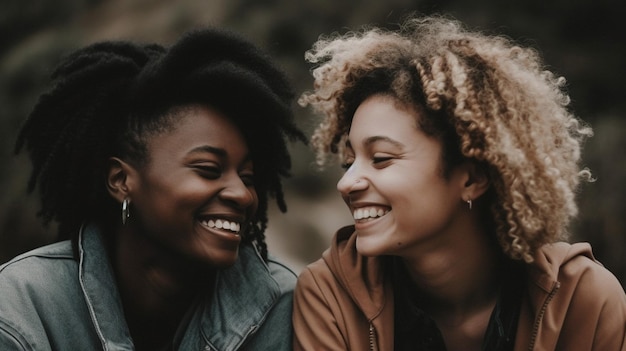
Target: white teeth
[
  {"x": 222, "y": 224},
  {"x": 370, "y": 212}
]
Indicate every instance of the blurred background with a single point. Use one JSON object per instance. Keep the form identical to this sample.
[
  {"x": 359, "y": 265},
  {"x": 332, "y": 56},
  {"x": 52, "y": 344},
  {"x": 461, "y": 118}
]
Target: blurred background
[{"x": 582, "y": 40}]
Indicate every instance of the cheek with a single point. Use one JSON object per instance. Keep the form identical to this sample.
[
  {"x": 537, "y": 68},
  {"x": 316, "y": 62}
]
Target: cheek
[
  {"x": 417, "y": 200},
  {"x": 168, "y": 199},
  {"x": 428, "y": 212},
  {"x": 403, "y": 190}
]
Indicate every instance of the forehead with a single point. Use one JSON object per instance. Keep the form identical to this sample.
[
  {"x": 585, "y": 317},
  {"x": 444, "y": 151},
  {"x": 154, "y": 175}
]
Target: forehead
[
  {"x": 382, "y": 118},
  {"x": 196, "y": 126}
]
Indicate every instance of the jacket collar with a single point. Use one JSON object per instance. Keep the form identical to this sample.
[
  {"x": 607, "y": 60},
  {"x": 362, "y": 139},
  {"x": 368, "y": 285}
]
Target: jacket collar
[
  {"x": 361, "y": 276},
  {"x": 101, "y": 294},
  {"x": 244, "y": 294},
  {"x": 358, "y": 273}
]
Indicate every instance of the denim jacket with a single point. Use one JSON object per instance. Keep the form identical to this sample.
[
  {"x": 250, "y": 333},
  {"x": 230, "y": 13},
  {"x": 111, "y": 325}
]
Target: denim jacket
[{"x": 51, "y": 301}]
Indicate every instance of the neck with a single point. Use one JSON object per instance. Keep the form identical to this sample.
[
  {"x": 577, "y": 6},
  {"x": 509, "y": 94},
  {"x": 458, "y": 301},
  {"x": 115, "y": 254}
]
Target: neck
[
  {"x": 457, "y": 279},
  {"x": 458, "y": 274},
  {"x": 157, "y": 287}
]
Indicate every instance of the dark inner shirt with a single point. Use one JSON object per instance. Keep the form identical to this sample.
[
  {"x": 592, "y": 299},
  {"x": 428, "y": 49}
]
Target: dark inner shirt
[{"x": 415, "y": 330}]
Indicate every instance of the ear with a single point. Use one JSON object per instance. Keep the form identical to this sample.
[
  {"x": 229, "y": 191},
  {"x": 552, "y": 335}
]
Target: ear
[
  {"x": 476, "y": 181},
  {"x": 120, "y": 178}
]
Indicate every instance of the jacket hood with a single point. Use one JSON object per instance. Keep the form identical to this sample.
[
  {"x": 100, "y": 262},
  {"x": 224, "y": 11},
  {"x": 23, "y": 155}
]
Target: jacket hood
[
  {"x": 364, "y": 280},
  {"x": 361, "y": 276},
  {"x": 550, "y": 258},
  {"x": 566, "y": 290}
]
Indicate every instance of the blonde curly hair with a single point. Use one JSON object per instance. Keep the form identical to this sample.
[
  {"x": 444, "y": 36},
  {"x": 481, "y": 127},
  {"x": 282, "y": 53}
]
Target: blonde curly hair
[{"x": 486, "y": 98}]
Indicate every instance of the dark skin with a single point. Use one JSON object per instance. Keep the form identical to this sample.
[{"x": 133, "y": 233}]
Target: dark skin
[
  {"x": 197, "y": 175},
  {"x": 156, "y": 285},
  {"x": 155, "y": 309}
]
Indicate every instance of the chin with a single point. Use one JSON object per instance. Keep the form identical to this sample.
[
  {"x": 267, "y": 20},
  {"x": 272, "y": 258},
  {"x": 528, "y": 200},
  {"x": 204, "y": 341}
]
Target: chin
[
  {"x": 217, "y": 259},
  {"x": 369, "y": 248}
]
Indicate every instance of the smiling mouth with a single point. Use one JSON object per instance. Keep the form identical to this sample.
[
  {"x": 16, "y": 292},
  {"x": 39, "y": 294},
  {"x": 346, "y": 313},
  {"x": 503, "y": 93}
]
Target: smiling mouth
[
  {"x": 364, "y": 214},
  {"x": 223, "y": 224}
]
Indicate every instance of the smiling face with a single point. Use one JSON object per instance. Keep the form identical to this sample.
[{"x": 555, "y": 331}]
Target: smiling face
[
  {"x": 196, "y": 193},
  {"x": 394, "y": 183}
]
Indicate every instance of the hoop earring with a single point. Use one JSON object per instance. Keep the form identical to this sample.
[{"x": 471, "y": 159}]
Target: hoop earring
[
  {"x": 125, "y": 211},
  {"x": 469, "y": 203}
]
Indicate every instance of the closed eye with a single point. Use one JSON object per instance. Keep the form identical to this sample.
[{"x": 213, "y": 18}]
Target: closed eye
[
  {"x": 209, "y": 172},
  {"x": 382, "y": 159}
]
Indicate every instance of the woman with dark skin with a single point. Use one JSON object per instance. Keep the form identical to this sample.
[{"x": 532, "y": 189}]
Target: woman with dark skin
[{"x": 157, "y": 165}]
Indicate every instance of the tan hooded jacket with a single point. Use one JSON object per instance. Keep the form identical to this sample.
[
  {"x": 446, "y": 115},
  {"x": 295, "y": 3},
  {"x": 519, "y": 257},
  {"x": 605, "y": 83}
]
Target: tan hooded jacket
[{"x": 343, "y": 302}]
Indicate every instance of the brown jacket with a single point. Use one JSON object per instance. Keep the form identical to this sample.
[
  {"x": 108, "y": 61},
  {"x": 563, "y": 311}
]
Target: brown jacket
[{"x": 343, "y": 302}]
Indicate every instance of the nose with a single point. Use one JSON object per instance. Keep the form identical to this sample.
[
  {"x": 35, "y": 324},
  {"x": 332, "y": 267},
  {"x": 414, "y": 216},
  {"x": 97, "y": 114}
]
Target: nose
[
  {"x": 351, "y": 181},
  {"x": 238, "y": 193}
]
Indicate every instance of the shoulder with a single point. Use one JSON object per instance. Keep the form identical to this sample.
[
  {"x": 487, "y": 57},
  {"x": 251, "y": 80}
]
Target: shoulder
[
  {"x": 37, "y": 289},
  {"x": 575, "y": 263},
  {"x": 585, "y": 300},
  {"x": 319, "y": 275},
  {"x": 341, "y": 268},
  {"x": 343, "y": 277},
  {"x": 283, "y": 275},
  {"x": 314, "y": 275},
  {"x": 51, "y": 269},
  {"x": 62, "y": 249},
  {"x": 323, "y": 270},
  {"x": 38, "y": 266},
  {"x": 325, "y": 274},
  {"x": 582, "y": 279},
  {"x": 592, "y": 281}
]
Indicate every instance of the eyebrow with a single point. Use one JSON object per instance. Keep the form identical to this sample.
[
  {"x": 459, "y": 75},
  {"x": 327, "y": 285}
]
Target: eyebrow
[
  {"x": 378, "y": 138},
  {"x": 209, "y": 149},
  {"x": 216, "y": 151}
]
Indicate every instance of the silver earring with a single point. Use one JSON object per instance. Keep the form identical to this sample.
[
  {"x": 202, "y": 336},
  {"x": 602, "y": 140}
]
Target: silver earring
[
  {"x": 125, "y": 211},
  {"x": 469, "y": 203}
]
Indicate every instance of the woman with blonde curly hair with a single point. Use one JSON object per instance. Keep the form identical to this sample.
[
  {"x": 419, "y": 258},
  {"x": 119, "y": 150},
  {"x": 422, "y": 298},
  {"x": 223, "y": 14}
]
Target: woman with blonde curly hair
[{"x": 462, "y": 166}]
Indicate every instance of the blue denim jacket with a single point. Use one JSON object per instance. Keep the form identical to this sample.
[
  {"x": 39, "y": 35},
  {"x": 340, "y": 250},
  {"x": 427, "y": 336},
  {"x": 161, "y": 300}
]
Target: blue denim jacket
[{"x": 50, "y": 301}]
